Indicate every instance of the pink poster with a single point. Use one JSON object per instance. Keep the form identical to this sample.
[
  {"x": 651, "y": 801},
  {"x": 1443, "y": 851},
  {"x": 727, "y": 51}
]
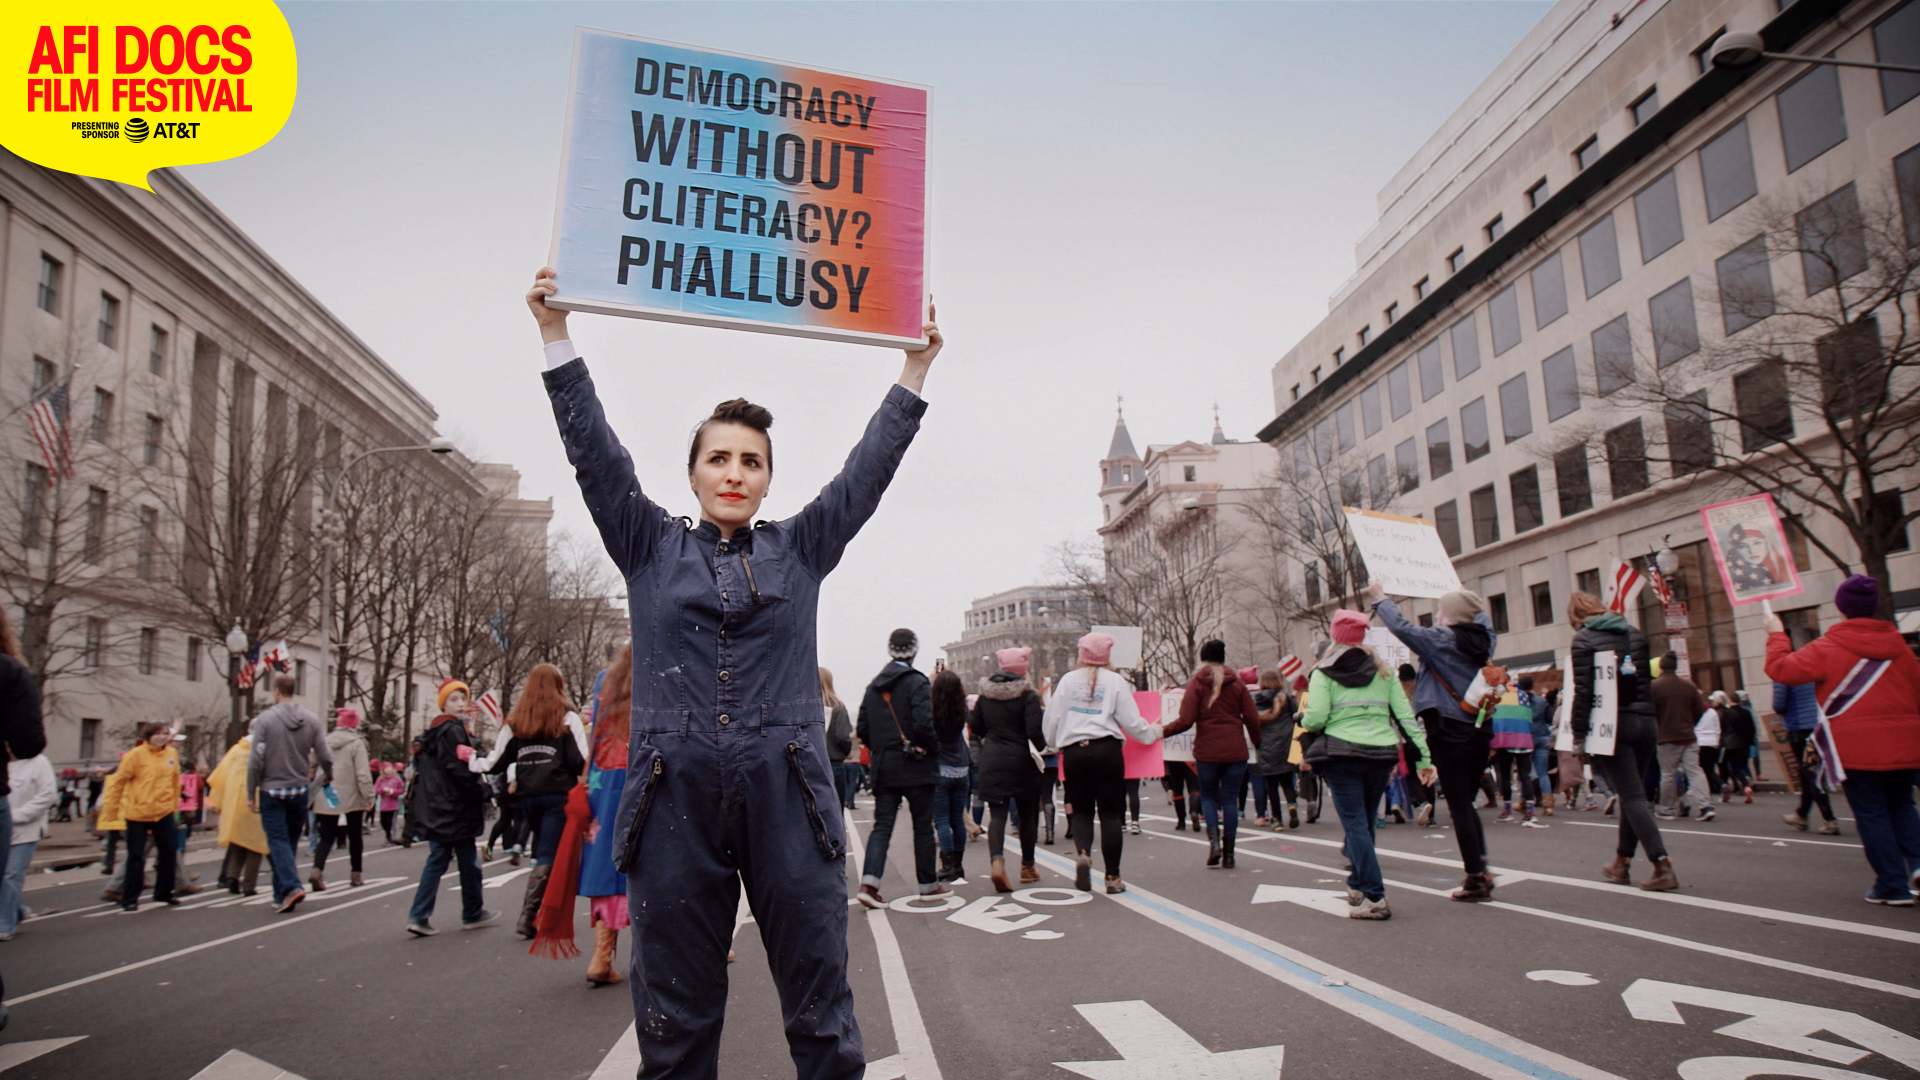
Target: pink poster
[{"x": 1143, "y": 761}]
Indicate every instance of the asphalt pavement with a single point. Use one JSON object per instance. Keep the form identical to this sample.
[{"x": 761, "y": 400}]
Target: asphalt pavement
[{"x": 1765, "y": 963}]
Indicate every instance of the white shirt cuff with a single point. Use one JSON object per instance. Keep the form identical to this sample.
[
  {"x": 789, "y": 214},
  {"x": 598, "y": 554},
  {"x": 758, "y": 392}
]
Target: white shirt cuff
[{"x": 559, "y": 352}]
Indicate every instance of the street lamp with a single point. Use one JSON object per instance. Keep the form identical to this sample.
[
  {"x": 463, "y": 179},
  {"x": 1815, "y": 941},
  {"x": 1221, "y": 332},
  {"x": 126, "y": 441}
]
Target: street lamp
[
  {"x": 236, "y": 648},
  {"x": 1743, "y": 48},
  {"x": 436, "y": 445}
]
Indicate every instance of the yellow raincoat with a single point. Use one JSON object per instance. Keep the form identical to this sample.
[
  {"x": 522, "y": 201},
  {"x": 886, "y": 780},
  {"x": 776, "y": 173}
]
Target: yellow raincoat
[
  {"x": 227, "y": 794},
  {"x": 109, "y": 818}
]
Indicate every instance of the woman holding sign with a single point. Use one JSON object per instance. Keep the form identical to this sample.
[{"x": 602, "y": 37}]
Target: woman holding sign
[
  {"x": 727, "y": 762},
  {"x": 1597, "y": 630}
]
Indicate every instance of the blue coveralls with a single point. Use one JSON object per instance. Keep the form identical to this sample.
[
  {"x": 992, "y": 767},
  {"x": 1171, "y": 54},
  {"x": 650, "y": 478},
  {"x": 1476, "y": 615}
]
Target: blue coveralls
[{"x": 727, "y": 769}]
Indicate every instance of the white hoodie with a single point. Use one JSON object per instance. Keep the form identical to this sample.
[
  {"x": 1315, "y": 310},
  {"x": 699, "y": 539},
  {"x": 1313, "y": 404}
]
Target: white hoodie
[{"x": 34, "y": 792}]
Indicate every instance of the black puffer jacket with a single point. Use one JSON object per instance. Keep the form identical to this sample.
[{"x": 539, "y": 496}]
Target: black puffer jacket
[
  {"x": 1276, "y": 735},
  {"x": 1006, "y": 723},
  {"x": 1622, "y": 637},
  {"x": 912, "y": 708},
  {"x": 447, "y": 795}
]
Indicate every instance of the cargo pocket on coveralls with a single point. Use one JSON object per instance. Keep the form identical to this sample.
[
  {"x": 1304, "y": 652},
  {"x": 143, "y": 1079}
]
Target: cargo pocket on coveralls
[
  {"x": 829, "y": 847},
  {"x": 630, "y": 820}
]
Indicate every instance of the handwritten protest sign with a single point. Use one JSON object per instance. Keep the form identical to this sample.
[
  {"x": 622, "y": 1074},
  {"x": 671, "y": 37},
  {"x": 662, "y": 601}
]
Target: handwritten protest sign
[
  {"x": 1750, "y": 547},
  {"x": 1403, "y": 554},
  {"x": 712, "y": 188}
]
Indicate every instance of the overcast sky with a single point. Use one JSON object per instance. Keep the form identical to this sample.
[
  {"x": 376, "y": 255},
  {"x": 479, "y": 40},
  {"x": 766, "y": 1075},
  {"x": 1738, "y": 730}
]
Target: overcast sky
[{"x": 1149, "y": 200}]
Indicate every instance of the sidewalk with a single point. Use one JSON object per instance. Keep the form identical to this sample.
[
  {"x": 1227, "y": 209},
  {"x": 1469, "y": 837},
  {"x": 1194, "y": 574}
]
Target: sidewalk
[{"x": 68, "y": 844}]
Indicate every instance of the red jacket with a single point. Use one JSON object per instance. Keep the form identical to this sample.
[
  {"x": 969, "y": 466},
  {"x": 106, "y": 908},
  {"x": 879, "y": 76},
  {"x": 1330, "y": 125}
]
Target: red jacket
[
  {"x": 1217, "y": 728},
  {"x": 1882, "y": 730}
]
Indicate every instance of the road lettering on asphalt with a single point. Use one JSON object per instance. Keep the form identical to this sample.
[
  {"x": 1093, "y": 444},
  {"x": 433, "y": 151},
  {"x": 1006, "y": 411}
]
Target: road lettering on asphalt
[
  {"x": 1783, "y": 1025},
  {"x": 1153, "y": 1047},
  {"x": 1744, "y": 1068},
  {"x": 997, "y": 916},
  {"x": 1323, "y": 900}
]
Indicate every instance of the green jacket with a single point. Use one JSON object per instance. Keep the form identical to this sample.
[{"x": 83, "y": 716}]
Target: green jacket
[{"x": 1359, "y": 714}]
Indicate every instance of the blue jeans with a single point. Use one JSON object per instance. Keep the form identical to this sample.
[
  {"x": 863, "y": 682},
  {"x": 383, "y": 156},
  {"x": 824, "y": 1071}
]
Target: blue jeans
[
  {"x": 281, "y": 819},
  {"x": 950, "y": 813},
  {"x": 1218, "y": 778},
  {"x": 886, "y": 809},
  {"x": 19, "y": 857},
  {"x": 845, "y": 780},
  {"x": 546, "y": 817},
  {"x": 1357, "y": 785},
  {"x": 439, "y": 853},
  {"x": 1889, "y": 827}
]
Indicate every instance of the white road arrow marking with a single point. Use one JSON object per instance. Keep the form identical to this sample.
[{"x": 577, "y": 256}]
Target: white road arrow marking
[
  {"x": 498, "y": 879},
  {"x": 1783, "y": 1025},
  {"x": 887, "y": 1068},
  {"x": 234, "y": 1065},
  {"x": 1333, "y": 903},
  {"x": 983, "y": 914},
  {"x": 1155, "y": 1047},
  {"x": 22, "y": 1052},
  {"x": 1745, "y": 1068}
]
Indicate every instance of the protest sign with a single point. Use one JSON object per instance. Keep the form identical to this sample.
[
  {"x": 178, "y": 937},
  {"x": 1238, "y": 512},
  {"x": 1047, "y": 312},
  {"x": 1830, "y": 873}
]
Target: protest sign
[
  {"x": 707, "y": 187},
  {"x": 1603, "y": 724},
  {"x": 1387, "y": 647},
  {"x": 1750, "y": 547},
  {"x": 1403, "y": 554},
  {"x": 1143, "y": 761},
  {"x": 1126, "y": 645}
]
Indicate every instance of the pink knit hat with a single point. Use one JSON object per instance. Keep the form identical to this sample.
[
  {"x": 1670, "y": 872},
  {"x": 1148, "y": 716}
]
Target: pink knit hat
[
  {"x": 1014, "y": 660},
  {"x": 347, "y": 718},
  {"x": 1250, "y": 675},
  {"x": 1349, "y": 627},
  {"x": 1096, "y": 649}
]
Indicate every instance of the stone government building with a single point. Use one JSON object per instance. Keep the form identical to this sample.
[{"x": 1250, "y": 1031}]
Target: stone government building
[{"x": 178, "y": 338}]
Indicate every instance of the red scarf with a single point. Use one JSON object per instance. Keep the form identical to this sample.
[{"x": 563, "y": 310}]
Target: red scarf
[{"x": 553, "y": 927}]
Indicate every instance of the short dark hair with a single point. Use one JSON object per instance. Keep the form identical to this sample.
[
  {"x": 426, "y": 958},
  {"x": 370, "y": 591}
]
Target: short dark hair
[
  {"x": 1213, "y": 652},
  {"x": 1525, "y": 683},
  {"x": 147, "y": 729},
  {"x": 1669, "y": 663},
  {"x": 735, "y": 411},
  {"x": 1407, "y": 674},
  {"x": 285, "y": 684}
]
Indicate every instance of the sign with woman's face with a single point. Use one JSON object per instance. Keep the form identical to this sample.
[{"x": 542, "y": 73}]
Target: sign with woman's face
[{"x": 1750, "y": 548}]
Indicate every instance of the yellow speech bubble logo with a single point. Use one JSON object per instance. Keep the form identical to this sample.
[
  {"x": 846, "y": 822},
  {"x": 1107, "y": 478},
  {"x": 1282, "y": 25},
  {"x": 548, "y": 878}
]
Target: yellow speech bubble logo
[{"x": 117, "y": 89}]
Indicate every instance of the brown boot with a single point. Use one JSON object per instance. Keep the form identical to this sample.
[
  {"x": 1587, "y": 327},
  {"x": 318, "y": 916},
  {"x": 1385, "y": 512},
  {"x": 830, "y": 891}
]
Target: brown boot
[
  {"x": 606, "y": 942},
  {"x": 999, "y": 876},
  {"x": 530, "y": 903},
  {"x": 316, "y": 883},
  {"x": 1029, "y": 875},
  {"x": 1475, "y": 888},
  {"x": 356, "y": 880},
  {"x": 1662, "y": 879},
  {"x": 1619, "y": 871}
]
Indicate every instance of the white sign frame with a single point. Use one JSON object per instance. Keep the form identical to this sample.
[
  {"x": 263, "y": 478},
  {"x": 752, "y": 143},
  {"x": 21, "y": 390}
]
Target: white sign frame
[
  {"x": 1404, "y": 554},
  {"x": 1604, "y": 723}
]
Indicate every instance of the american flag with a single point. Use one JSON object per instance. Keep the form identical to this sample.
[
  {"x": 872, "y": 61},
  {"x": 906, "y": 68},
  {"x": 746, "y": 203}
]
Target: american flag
[
  {"x": 48, "y": 419},
  {"x": 1624, "y": 586}
]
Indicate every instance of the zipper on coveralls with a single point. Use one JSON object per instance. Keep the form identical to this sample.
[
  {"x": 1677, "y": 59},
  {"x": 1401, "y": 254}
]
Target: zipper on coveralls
[{"x": 751, "y": 587}]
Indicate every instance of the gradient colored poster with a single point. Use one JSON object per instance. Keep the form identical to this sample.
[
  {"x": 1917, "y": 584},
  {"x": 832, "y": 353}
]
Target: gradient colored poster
[
  {"x": 724, "y": 190},
  {"x": 1750, "y": 547}
]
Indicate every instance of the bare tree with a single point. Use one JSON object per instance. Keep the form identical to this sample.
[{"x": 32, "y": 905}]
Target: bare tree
[
  {"x": 1168, "y": 576},
  {"x": 584, "y": 625},
  {"x": 1301, "y": 522}
]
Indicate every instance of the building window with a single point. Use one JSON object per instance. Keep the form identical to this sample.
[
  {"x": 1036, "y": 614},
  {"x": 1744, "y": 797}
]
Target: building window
[
  {"x": 1316, "y": 376},
  {"x": 94, "y": 540},
  {"x": 1406, "y": 463},
  {"x": 1588, "y": 581},
  {"x": 1446, "y": 521},
  {"x": 33, "y": 506},
  {"x": 1563, "y": 384},
  {"x": 150, "y": 449},
  {"x": 1339, "y": 357},
  {"x": 300, "y": 678},
  {"x": 1496, "y": 228},
  {"x": 193, "y": 659},
  {"x": 1702, "y": 65},
  {"x": 1516, "y": 412},
  {"x": 1486, "y": 516},
  {"x": 1503, "y": 318},
  {"x": 1379, "y": 484},
  {"x": 1323, "y": 442},
  {"x": 1295, "y": 392},
  {"x": 1456, "y": 260},
  {"x": 1392, "y": 312},
  {"x": 1366, "y": 335},
  {"x": 1570, "y": 480},
  {"x": 1497, "y": 612},
  {"x": 1542, "y": 596},
  {"x": 1537, "y": 194},
  {"x": 1586, "y": 153},
  {"x": 149, "y": 540},
  {"x": 49, "y": 295},
  {"x": 1853, "y": 380},
  {"x": 149, "y": 648},
  {"x": 1549, "y": 282},
  {"x": 1726, "y": 170},
  {"x": 1889, "y": 508},
  {"x": 1627, "y": 459},
  {"x": 1524, "y": 487},
  {"x": 1896, "y": 40},
  {"x": 1906, "y": 175},
  {"x": 1186, "y": 472},
  {"x": 1343, "y": 424},
  {"x": 1599, "y": 256},
  {"x": 1676, "y": 334},
  {"x": 102, "y": 427},
  {"x": 1612, "y": 356},
  {"x": 1399, "y": 392},
  {"x": 1465, "y": 339},
  {"x": 109, "y": 321},
  {"x": 1645, "y": 106},
  {"x": 1746, "y": 285},
  {"x": 1312, "y": 577},
  {"x": 1833, "y": 245},
  {"x": 1432, "y": 381},
  {"x": 1421, "y": 288},
  {"x": 1370, "y": 419},
  {"x": 1475, "y": 441},
  {"x": 1812, "y": 120},
  {"x": 1439, "y": 449},
  {"x": 157, "y": 351},
  {"x": 43, "y": 375},
  {"x": 1656, "y": 211},
  {"x": 1760, "y": 399},
  {"x": 94, "y": 644},
  {"x": 89, "y": 738}
]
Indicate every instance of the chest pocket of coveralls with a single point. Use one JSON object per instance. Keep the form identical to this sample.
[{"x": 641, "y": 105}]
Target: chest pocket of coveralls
[{"x": 766, "y": 614}]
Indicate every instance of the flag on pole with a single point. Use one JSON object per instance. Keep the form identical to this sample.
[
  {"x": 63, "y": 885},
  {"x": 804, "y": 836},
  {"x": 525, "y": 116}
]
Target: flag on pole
[
  {"x": 277, "y": 656},
  {"x": 1623, "y": 586},
  {"x": 1289, "y": 666},
  {"x": 1662, "y": 591},
  {"x": 489, "y": 703},
  {"x": 48, "y": 420}
]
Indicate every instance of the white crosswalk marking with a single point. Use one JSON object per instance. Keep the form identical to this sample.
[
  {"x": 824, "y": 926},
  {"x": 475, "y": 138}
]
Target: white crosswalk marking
[
  {"x": 234, "y": 1065},
  {"x": 22, "y": 1052}
]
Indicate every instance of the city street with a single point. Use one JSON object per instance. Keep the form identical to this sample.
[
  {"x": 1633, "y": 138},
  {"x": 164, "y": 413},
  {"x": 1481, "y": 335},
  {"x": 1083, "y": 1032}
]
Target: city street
[{"x": 1765, "y": 963}]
